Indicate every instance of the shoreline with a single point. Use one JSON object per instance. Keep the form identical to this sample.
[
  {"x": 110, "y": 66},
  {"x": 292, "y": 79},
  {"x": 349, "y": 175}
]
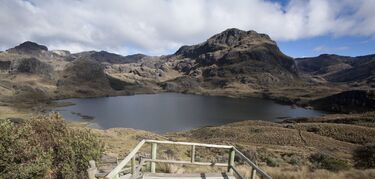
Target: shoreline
[{"x": 80, "y": 116}]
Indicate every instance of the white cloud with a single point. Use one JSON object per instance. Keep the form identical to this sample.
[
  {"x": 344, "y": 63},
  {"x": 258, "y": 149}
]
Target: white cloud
[
  {"x": 327, "y": 49},
  {"x": 159, "y": 26}
]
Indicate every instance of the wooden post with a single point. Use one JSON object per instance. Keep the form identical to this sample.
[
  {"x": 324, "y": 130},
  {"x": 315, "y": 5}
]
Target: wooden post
[
  {"x": 92, "y": 170},
  {"x": 133, "y": 166},
  {"x": 192, "y": 154},
  {"x": 153, "y": 156},
  {"x": 253, "y": 173},
  {"x": 232, "y": 153}
]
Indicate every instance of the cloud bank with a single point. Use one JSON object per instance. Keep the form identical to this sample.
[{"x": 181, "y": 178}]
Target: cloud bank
[{"x": 161, "y": 26}]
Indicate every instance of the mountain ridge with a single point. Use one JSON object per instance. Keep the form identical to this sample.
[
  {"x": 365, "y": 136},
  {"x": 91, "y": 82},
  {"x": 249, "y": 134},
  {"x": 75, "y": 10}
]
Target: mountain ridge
[{"x": 232, "y": 63}]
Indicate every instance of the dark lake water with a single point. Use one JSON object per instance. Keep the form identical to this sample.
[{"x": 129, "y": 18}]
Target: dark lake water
[{"x": 168, "y": 112}]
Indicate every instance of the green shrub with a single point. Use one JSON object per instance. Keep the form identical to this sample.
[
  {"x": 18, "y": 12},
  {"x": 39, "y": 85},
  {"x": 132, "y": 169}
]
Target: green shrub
[
  {"x": 313, "y": 129},
  {"x": 365, "y": 156},
  {"x": 21, "y": 155},
  {"x": 46, "y": 146},
  {"x": 273, "y": 162},
  {"x": 292, "y": 159},
  {"x": 325, "y": 161}
]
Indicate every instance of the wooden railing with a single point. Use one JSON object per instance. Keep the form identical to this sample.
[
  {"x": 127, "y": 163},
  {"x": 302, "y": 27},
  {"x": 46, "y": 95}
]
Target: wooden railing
[{"x": 135, "y": 169}]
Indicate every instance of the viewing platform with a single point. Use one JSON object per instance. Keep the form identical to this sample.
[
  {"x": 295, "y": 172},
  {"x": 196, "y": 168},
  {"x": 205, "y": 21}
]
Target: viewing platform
[{"x": 134, "y": 166}]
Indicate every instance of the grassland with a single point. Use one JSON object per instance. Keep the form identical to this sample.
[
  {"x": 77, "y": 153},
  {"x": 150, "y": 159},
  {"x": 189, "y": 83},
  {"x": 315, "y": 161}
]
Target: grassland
[{"x": 283, "y": 149}]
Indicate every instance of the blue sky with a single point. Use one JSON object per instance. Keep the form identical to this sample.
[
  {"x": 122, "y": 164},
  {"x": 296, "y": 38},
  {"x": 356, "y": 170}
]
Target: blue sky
[
  {"x": 158, "y": 27},
  {"x": 328, "y": 44},
  {"x": 347, "y": 45}
]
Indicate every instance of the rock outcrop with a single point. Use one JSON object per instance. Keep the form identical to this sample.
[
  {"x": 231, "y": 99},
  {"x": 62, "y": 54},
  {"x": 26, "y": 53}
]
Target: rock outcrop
[
  {"x": 235, "y": 56},
  {"x": 5, "y": 66},
  {"x": 83, "y": 76},
  {"x": 32, "y": 66},
  {"x": 106, "y": 57}
]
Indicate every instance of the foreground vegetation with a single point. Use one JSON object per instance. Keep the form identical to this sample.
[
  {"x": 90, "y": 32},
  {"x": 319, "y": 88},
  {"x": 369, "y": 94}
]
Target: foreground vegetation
[
  {"x": 331, "y": 146},
  {"x": 45, "y": 147}
]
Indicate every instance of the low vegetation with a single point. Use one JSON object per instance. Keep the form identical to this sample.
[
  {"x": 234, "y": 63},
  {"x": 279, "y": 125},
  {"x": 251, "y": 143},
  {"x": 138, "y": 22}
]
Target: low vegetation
[
  {"x": 325, "y": 161},
  {"x": 365, "y": 156},
  {"x": 45, "y": 147}
]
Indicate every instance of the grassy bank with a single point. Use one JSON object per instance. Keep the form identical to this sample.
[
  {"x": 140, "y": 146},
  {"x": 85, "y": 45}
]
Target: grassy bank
[{"x": 331, "y": 146}]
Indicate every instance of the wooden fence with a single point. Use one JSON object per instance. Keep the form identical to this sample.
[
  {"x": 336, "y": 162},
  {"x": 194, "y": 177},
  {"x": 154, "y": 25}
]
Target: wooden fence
[{"x": 135, "y": 169}]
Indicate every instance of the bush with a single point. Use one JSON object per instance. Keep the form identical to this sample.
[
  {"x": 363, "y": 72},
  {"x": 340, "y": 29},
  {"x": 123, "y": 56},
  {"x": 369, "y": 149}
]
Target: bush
[
  {"x": 324, "y": 161},
  {"x": 313, "y": 129},
  {"x": 273, "y": 162},
  {"x": 292, "y": 159},
  {"x": 365, "y": 156},
  {"x": 46, "y": 147}
]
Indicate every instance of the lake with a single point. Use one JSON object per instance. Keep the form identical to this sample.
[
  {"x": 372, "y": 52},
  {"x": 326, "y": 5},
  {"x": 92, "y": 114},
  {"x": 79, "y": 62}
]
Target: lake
[{"x": 167, "y": 112}]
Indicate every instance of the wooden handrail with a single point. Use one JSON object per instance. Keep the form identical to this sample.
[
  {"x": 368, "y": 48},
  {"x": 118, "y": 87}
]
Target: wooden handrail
[
  {"x": 114, "y": 173},
  {"x": 233, "y": 151},
  {"x": 190, "y": 143},
  {"x": 187, "y": 162},
  {"x": 252, "y": 164}
]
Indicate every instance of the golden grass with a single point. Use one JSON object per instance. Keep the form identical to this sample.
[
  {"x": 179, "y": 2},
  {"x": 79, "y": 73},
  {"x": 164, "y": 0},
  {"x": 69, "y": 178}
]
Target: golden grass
[
  {"x": 341, "y": 132},
  {"x": 306, "y": 173}
]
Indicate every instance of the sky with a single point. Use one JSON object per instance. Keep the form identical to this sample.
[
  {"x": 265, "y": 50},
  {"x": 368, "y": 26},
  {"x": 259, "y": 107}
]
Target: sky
[{"x": 301, "y": 28}]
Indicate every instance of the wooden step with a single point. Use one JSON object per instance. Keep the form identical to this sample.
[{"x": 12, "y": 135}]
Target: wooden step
[{"x": 188, "y": 176}]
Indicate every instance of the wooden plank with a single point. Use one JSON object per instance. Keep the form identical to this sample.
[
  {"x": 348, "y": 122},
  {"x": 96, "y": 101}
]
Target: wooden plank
[
  {"x": 138, "y": 169},
  {"x": 260, "y": 171},
  {"x": 153, "y": 156},
  {"x": 232, "y": 154},
  {"x": 237, "y": 173},
  {"x": 187, "y": 162},
  {"x": 188, "y": 176},
  {"x": 253, "y": 173},
  {"x": 92, "y": 170},
  {"x": 133, "y": 165},
  {"x": 190, "y": 143},
  {"x": 192, "y": 154},
  {"x": 114, "y": 173}
]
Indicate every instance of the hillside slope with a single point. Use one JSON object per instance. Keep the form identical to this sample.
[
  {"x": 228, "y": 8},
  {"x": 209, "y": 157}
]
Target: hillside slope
[
  {"x": 232, "y": 63},
  {"x": 237, "y": 59},
  {"x": 333, "y": 68}
]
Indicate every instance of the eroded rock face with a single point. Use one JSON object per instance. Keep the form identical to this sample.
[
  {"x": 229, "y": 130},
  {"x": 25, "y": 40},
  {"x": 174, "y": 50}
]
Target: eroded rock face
[
  {"x": 32, "y": 66},
  {"x": 85, "y": 78},
  {"x": 229, "y": 38},
  {"x": 235, "y": 54},
  {"x": 83, "y": 70},
  {"x": 106, "y": 57},
  {"x": 5, "y": 66}
]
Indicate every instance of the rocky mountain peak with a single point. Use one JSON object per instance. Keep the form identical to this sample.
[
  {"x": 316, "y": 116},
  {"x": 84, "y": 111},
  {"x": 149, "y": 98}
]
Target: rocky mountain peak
[
  {"x": 232, "y": 37},
  {"x": 28, "y": 47},
  {"x": 228, "y": 40}
]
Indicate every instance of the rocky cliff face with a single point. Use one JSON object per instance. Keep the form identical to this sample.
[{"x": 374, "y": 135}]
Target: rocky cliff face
[
  {"x": 106, "y": 57},
  {"x": 83, "y": 76},
  {"x": 235, "y": 46},
  {"x": 32, "y": 66},
  {"x": 5, "y": 66},
  {"x": 237, "y": 58}
]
